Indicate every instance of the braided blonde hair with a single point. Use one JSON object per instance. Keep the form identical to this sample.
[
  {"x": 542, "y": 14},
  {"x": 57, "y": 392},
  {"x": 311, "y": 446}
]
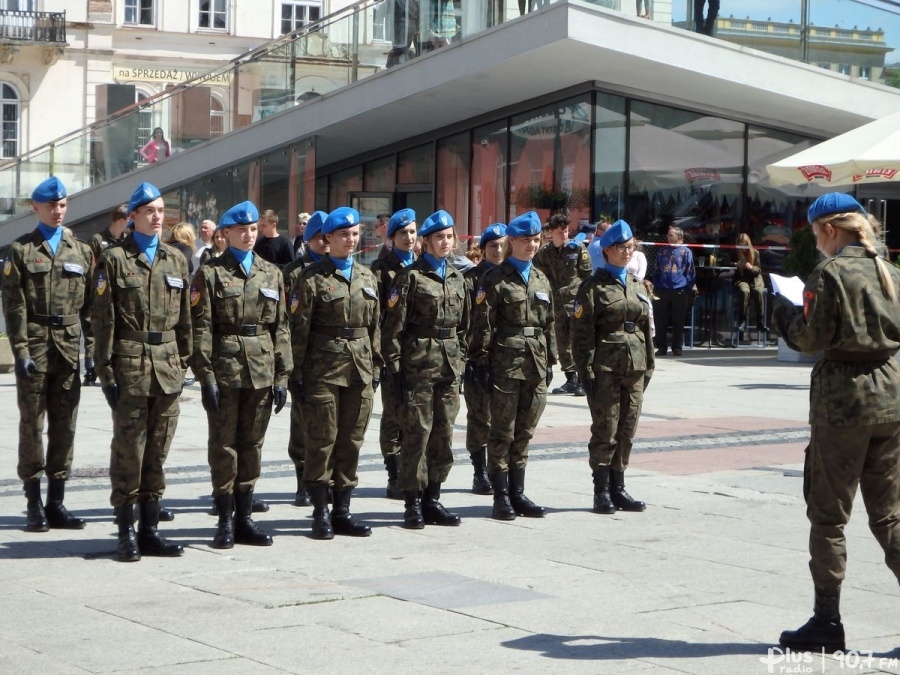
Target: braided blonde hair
[{"x": 866, "y": 227}]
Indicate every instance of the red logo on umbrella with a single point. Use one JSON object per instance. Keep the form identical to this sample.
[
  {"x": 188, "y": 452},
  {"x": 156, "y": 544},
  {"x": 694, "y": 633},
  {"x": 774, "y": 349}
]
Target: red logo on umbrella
[{"x": 815, "y": 171}]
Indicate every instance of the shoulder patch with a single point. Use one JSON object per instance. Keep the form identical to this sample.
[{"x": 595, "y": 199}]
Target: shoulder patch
[
  {"x": 295, "y": 302},
  {"x": 7, "y": 268},
  {"x": 393, "y": 298},
  {"x": 480, "y": 295},
  {"x": 578, "y": 310},
  {"x": 584, "y": 254},
  {"x": 195, "y": 294},
  {"x": 808, "y": 298},
  {"x": 101, "y": 283}
]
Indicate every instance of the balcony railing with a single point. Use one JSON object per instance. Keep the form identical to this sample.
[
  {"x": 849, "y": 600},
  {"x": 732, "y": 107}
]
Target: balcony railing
[{"x": 32, "y": 26}]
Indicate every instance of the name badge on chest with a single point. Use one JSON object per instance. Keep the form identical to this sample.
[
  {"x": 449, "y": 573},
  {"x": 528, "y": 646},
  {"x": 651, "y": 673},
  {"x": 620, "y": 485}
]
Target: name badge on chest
[
  {"x": 174, "y": 281},
  {"x": 543, "y": 297},
  {"x": 370, "y": 292},
  {"x": 270, "y": 293},
  {"x": 75, "y": 268}
]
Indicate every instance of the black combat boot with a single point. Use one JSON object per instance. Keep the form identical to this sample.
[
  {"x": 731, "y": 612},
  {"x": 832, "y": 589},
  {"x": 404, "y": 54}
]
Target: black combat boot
[
  {"x": 342, "y": 521},
  {"x": 481, "y": 482},
  {"x": 58, "y": 516},
  {"x": 150, "y": 541},
  {"x": 245, "y": 530},
  {"x": 321, "y": 526},
  {"x": 127, "y": 550},
  {"x": 602, "y": 500},
  {"x": 571, "y": 385},
  {"x": 225, "y": 530},
  {"x": 35, "y": 517},
  {"x": 302, "y": 496},
  {"x": 520, "y": 503},
  {"x": 392, "y": 464},
  {"x": 165, "y": 515},
  {"x": 824, "y": 631},
  {"x": 579, "y": 390},
  {"x": 412, "y": 516},
  {"x": 259, "y": 506},
  {"x": 503, "y": 509},
  {"x": 622, "y": 500},
  {"x": 433, "y": 511}
]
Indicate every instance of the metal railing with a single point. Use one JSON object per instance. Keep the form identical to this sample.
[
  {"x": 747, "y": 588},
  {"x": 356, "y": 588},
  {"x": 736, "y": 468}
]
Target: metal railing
[{"x": 33, "y": 26}]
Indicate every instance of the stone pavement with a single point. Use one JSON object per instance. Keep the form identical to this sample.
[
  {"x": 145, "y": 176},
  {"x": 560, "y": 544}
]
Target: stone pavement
[{"x": 702, "y": 582}]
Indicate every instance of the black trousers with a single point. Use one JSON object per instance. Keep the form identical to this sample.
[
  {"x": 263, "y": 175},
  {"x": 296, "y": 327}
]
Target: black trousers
[{"x": 671, "y": 308}]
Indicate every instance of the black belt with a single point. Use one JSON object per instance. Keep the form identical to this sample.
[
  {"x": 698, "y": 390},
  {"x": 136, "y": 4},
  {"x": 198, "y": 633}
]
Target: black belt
[
  {"x": 55, "y": 319},
  {"x": 150, "y": 338},
  {"x": 859, "y": 357},
  {"x": 246, "y": 329},
  {"x": 527, "y": 331},
  {"x": 344, "y": 332},
  {"x": 417, "y": 330}
]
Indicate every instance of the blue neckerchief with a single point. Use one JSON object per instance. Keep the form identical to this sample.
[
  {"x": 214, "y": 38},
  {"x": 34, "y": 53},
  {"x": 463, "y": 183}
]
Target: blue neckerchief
[
  {"x": 344, "y": 265},
  {"x": 52, "y": 235},
  {"x": 523, "y": 267},
  {"x": 406, "y": 257},
  {"x": 147, "y": 243},
  {"x": 315, "y": 257},
  {"x": 488, "y": 265},
  {"x": 243, "y": 257},
  {"x": 439, "y": 265},
  {"x": 620, "y": 273}
]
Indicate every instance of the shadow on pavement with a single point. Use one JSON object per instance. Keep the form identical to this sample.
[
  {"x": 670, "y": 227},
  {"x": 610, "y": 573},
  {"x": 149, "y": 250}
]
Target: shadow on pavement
[{"x": 603, "y": 647}]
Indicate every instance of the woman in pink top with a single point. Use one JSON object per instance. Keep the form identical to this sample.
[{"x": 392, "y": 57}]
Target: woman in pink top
[{"x": 157, "y": 147}]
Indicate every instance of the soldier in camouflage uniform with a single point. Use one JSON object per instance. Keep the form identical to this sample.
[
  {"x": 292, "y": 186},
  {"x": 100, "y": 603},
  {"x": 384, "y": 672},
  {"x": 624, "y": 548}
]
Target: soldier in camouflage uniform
[
  {"x": 46, "y": 304},
  {"x": 614, "y": 355},
  {"x": 514, "y": 349},
  {"x": 424, "y": 342},
  {"x": 566, "y": 264},
  {"x": 314, "y": 248},
  {"x": 337, "y": 359},
  {"x": 113, "y": 234},
  {"x": 850, "y": 312},
  {"x": 142, "y": 324},
  {"x": 242, "y": 359},
  {"x": 478, "y": 401},
  {"x": 401, "y": 232}
]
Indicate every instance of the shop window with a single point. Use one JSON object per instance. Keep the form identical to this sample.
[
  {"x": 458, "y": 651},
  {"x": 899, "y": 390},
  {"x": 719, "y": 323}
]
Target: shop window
[
  {"x": 296, "y": 15},
  {"x": 379, "y": 175},
  {"x": 416, "y": 165},
  {"x": 489, "y": 197},
  {"x": 452, "y": 181},
  {"x": 214, "y": 14},
  {"x": 139, "y": 12},
  {"x": 144, "y": 127},
  {"x": 609, "y": 156},
  {"x": 341, "y": 184},
  {"x": 10, "y": 108},
  {"x": 381, "y": 25}
]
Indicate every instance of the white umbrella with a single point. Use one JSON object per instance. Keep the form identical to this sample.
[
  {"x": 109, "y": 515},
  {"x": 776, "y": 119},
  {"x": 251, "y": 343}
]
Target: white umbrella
[{"x": 868, "y": 154}]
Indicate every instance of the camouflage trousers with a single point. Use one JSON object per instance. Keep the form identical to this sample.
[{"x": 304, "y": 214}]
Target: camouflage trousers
[
  {"x": 516, "y": 408},
  {"x": 296, "y": 442},
  {"x": 55, "y": 395},
  {"x": 615, "y": 409},
  {"x": 564, "y": 325},
  {"x": 837, "y": 460},
  {"x": 236, "y": 436},
  {"x": 389, "y": 432},
  {"x": 335, "y": 420},
  {"x": 143, "y": 428},
  {"x": 478, "y": 417},
  {"x": 428, "y": 417}
]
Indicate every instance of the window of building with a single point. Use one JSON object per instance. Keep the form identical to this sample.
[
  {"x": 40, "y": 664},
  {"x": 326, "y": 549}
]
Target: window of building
[
  {"x": 295, "y": 14},
  {"x": 139, "y": 12},
  {"x": 216, "y": 117},
  {"x": 865, "y": 72},
  {"x": 9, "y": 114},
  {"x": 824, "y": 66},
  {"x": 144, "y": 128},
  {"x": 214, "y": 14},
  {"x": 381, "y": 25},
  {"x": 844, "y": 68},
  {"x": 18, "y": 5}
]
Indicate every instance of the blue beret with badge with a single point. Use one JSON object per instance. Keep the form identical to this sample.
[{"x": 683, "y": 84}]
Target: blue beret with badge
[
  {"x": 437, "y": 221},
  {"x": 50, "y": 190},
  {"x": 340, "y": 218},
  {"x": 143, "y": 194},
  {"x": 618, "y": 233},
  {"x": 526, "y": 225},
  {"x": 833, "y": 202},
  {"x": 239, "y": 214},
  {"x": 314, "y": 225},
  {"x": 402, "y": 218},
  {"x": 492, "y": 233}
]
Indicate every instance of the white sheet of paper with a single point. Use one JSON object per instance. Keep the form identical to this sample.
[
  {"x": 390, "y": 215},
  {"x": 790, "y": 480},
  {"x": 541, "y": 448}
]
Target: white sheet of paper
[{"x": 790, "y": 287}]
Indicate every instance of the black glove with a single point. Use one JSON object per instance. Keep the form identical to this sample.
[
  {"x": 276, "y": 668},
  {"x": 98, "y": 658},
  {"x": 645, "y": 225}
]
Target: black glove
[
  {"x": 25, "y": 368},
  {"x": 469, "y": 374},
  {"x": 90, "y": 375},
  {"x": 209, "y": 395},
  {"x": 295, "y": 384},
  {"x": 111, "y": 392},
  {"x": 279, "y": 398},
  {"x": 589, "y": 385},
  {"x": 484, "y": 376},
  {"x": 549, "y": 378},
  {"x": 397, "y": 383}
]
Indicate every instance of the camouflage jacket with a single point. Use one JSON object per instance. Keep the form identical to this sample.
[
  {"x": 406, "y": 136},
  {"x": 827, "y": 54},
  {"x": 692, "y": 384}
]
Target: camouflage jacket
[
  {"x": 223, "y": 300},
  {"x": 424, "y": 332},
  {"x": 844, "y": 309},
  {"x": 566, "y": 267},
  {"x": 101, "y": 241},
  {"x": 38, "y": 285},
  {"x": 505, "y": 309},
  {"x": 133, "y": 297},
  {"x": 386, "y": 268},
  {"x": 472, "y": 278},
  {"x": 612, "y": 326}
]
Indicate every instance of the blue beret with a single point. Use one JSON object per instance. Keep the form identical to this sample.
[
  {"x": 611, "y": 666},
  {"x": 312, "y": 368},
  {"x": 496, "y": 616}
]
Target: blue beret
[
  {"x": 437, "y": 221},
  {"x": 833, "y": 202},
  {"x": 341, "y": 217},
  {"x": 314, "y": 225},
  {"x": 50, "y": 190},
  {"x": 143, "y": 194},
  {"x": 402, "y": 218},
  {"x": 492, "y": 232},
  {"x": 526, "y": 225},
  {"x": 239, "y": 214},
  {"x": 618, "y": 233}
]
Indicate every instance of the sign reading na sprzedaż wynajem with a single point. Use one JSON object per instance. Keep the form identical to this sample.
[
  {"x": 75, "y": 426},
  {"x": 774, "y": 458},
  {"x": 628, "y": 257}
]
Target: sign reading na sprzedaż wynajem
[{"x": 154, "y": 73}]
